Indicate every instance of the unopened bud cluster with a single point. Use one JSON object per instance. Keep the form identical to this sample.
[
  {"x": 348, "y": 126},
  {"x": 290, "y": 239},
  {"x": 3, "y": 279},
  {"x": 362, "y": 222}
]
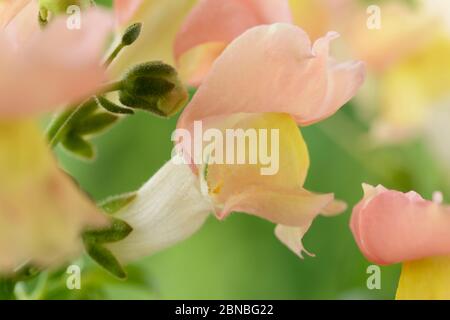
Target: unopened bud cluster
[{"x": 155, "y": 87}]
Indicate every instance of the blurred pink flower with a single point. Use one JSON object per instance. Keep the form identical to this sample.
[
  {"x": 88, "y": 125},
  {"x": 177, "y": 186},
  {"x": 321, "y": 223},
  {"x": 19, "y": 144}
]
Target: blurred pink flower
[
  {"x": 216, "y": 23},
  {"x": 54, "y": 66},
  {"x": 9, "y": 9},
  {"x": 124, "y": 10}
]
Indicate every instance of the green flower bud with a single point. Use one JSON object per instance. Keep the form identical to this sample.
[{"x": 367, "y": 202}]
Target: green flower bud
[
  {"x": 154, "y": 87},
  {"x": 131, "y": 34}
]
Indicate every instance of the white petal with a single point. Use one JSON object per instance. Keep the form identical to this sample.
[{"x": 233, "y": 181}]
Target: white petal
[{"x": 168, "y": 209}]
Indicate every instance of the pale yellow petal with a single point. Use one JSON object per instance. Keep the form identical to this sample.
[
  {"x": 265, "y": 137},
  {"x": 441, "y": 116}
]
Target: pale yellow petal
[
  {"x": 287, "y": 151},
  {"x": 41, "y": 211},
  {"x": 161, "y": 22},
  {"x": 410, "y": 90}
]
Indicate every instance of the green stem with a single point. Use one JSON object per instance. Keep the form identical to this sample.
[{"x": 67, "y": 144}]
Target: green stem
[
  {"x": 114, "y": 54},
  {"x": 60, "y": 125},
  {"x": 111, "y": 87}
]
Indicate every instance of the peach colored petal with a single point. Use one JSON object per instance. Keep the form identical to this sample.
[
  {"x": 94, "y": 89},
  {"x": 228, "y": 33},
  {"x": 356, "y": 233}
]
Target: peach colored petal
[
  {"x": 284, "y": 206},
  {"x": 9, "y": 9},
  {"x": 222, "y": 21},
  {"x": 56, "y": 66},
  {"x": 291, "y": 237},
  {"x": 274, "y": 69},
  {"x": 334, "y": 208},
  {"x": 194, "y": 65},
  {"x": 277, "y": 197},
  {"x": 391, "y": 226},
  {"x": 124, "y": 10}
]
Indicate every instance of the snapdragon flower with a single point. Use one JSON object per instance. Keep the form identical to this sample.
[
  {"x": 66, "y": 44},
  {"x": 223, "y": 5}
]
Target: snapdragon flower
[{"x": 270, "y": 77}]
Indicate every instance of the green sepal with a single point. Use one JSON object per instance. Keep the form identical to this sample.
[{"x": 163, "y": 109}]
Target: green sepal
[
  {"x": 79, "y": 146},
  {"x": 94, "y": 241},
  {"x": 155, "y": 87},
  {"x": 157, "y": 69},
  {"x": 112, "y": 107},
  {"x": 116, "y": 231},
  {"x": 95, "y": 123},
  {"x": 150, "y": 86},
  {"x": 105, "y": 258},
  {"x": 113, "y": 204},
  {"x": 149, "y": 105}
]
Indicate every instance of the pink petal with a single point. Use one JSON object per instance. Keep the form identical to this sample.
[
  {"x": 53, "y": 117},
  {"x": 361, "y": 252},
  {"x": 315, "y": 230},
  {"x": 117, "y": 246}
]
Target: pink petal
[
  {"x": 124, "y": 10},
  {"x": 9, "y": 9},
  {"x": 56, "y": 66},
  {"x": 274, "y": 69},
  {"x": 391, "y": 226},
  {"x": 222, "y": 21}
]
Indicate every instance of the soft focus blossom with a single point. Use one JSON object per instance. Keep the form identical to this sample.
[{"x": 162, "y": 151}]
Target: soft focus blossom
[
  {"x": 391, "y": 227},
  {"x": 157, "y": 35},
  {"x": 213, "y": 24},
  {"x": 53, "y": 67},
  {"x": 299, "y": 84},
  {"x": 124, "y": 10},
  {"x": 216, "y": 23},
  {"x": 42, "y": 212},
  {"x": 196, "y": 47},
  {"x": 407, "y": 64},
  {"x": 9, "y": 9}
]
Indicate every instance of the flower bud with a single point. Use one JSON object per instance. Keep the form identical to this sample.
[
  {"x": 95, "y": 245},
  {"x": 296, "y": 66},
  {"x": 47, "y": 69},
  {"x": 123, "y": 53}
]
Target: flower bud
[
  {"x": 154, "y": 87},
  {"x": 131, "y": 34}
]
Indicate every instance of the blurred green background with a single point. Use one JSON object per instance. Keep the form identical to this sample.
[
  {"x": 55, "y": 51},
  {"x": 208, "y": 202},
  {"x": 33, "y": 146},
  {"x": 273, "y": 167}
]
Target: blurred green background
[{"x": 240, "y": 258}]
